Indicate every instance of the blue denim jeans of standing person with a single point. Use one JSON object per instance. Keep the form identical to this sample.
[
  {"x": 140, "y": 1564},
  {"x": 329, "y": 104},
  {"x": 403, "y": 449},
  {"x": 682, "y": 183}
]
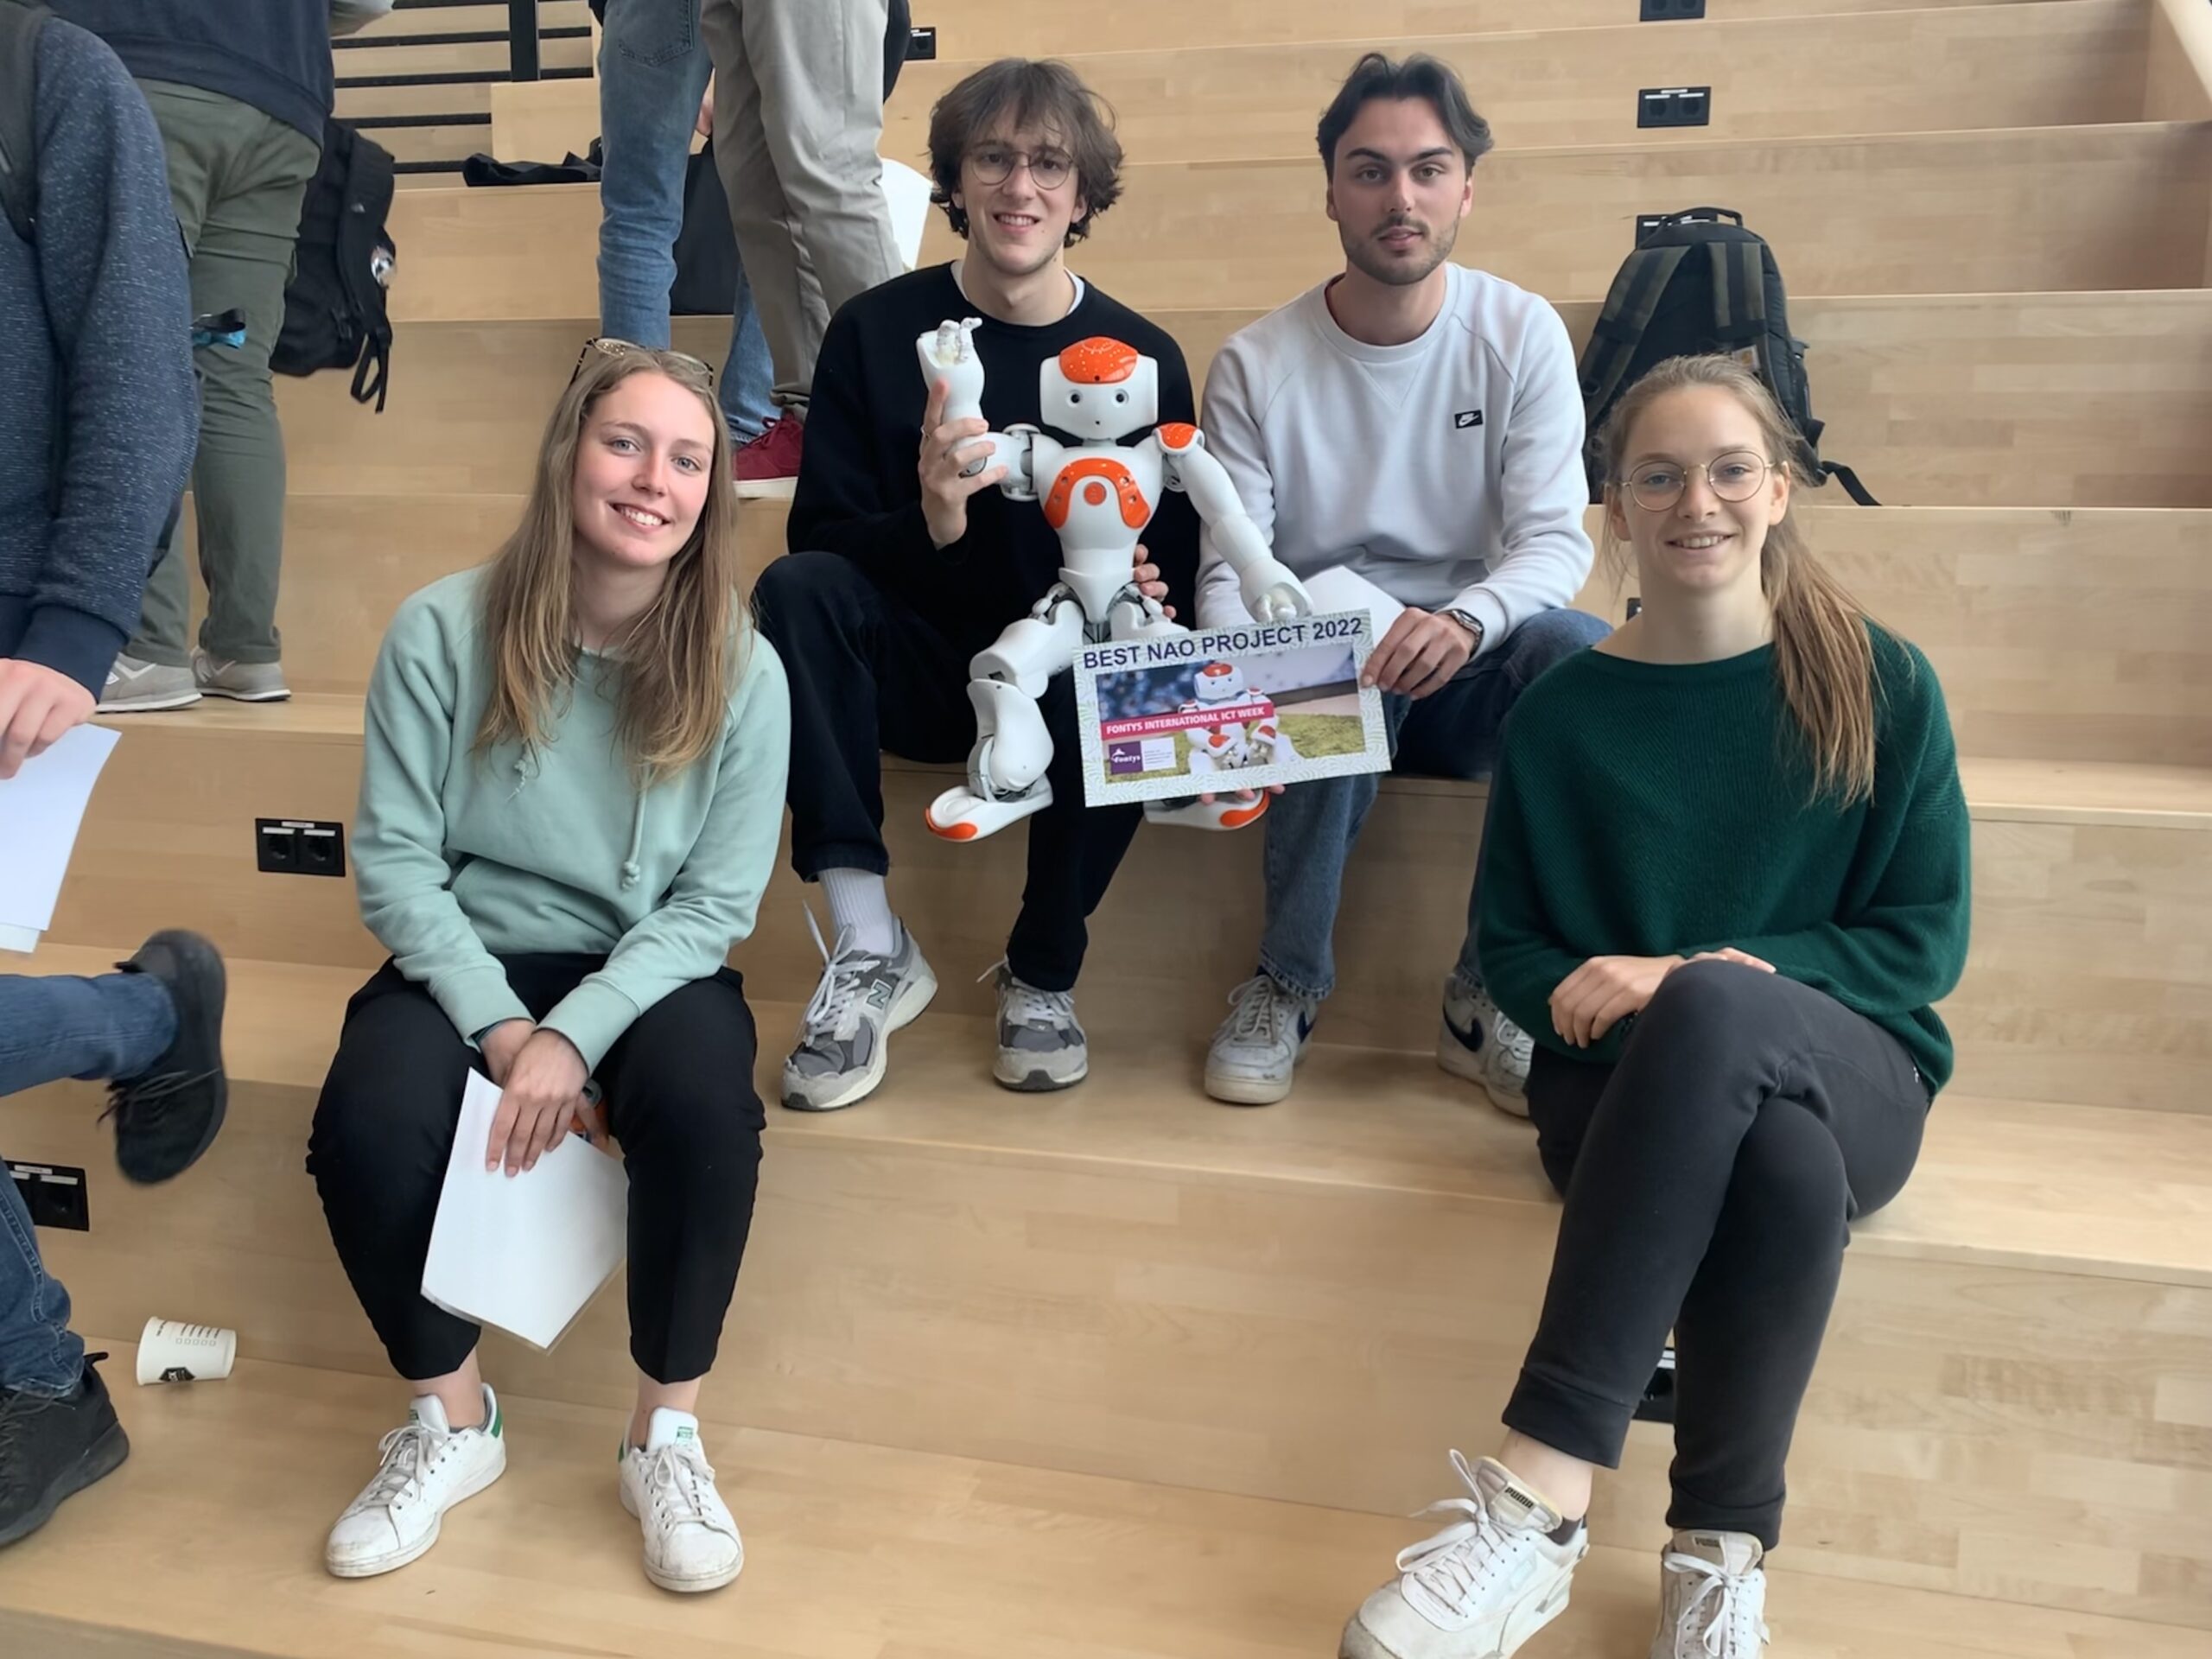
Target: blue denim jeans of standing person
[
  {"x": 116, "y": 1025},
  {"x": 652, "y": 73},
  {"x": 1452, "y": 733}
]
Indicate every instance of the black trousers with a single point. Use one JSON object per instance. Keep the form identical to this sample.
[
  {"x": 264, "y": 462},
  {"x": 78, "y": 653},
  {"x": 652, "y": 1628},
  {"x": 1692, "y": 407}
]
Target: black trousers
[
  {"x": 868, "y": 673},
  {"x": 678, "y": 1089},
  {"x": 1710, "y": 1179}
]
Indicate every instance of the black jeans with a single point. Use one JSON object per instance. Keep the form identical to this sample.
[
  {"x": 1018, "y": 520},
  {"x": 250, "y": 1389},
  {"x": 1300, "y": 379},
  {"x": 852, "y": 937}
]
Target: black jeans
[
  {"x": 679, "y": 1087},
  {"x": 1710, "y": 1179},
  {"x": 868, "y": 673}
]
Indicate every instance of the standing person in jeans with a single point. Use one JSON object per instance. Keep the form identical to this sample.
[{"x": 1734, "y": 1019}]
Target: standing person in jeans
[
  {"x": 240, "y": 92},
  {"x": 798, "y": 113},
  {"x": 98, "y": 421},
  {"x": 903, "y": 567},
  {"x": 1727, "y": 879},
  {"x": 571, "y": 786},
  {"x": 1420, "y": 423}
]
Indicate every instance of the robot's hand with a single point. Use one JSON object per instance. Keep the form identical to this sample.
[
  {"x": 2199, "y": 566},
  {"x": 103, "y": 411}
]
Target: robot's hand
[
  {"x": 1271, "y": 593},
  {"x": 947, "y": 352}
]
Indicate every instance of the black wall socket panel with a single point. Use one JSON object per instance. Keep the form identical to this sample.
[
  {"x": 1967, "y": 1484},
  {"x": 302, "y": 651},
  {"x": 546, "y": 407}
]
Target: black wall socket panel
[
  {"x": 53, "y": 1193},
  {"x": 299, "y": 847}
]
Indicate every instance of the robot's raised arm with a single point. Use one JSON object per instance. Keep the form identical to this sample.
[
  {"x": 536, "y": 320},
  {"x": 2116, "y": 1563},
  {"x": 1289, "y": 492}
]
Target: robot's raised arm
[
  {"x": 1269, "y": 589},
  {"x": 948, "y": 353}
]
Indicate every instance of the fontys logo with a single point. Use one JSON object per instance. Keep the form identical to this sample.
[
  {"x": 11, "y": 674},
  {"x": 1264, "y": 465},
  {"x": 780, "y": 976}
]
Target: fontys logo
[{"x": 1124, "y": 757}]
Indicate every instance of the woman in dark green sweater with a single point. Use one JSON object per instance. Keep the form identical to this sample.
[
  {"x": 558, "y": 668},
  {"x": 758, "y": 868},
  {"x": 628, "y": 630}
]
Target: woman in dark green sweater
[{"x": 1725, "y": 878}]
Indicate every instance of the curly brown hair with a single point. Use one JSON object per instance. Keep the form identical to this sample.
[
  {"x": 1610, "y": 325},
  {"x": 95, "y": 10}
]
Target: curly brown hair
[{"x": 1039, "y": 93}]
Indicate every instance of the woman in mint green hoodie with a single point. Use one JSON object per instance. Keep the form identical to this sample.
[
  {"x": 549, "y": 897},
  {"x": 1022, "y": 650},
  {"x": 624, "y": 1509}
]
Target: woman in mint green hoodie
[{"x": 570, "y": 793}]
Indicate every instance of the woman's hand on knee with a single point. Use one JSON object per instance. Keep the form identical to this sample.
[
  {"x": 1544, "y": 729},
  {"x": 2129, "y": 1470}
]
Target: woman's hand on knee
[
  {"x": 1603, "y": 991},
  {"x": 538, "y": 1103},
  {"x": 1741, "y": 958}
]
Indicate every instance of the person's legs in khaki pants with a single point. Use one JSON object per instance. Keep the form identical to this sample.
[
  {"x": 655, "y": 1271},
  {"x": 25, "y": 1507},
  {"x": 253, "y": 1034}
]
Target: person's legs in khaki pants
[
  {"x": 798, "y": 113},
  {"x": 237, "y": 178}
]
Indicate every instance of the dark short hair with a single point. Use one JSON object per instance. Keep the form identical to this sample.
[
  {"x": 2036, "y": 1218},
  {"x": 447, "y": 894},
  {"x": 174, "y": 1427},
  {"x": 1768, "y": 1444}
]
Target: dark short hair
[
  {"x": 1420, "y": 76},
  {"x": 1027, "y": 91}
]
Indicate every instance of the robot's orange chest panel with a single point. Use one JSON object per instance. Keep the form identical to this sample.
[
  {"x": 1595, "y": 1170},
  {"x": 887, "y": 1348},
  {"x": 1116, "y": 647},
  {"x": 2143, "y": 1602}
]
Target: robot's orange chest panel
[{"x": 1093, "y": 481}]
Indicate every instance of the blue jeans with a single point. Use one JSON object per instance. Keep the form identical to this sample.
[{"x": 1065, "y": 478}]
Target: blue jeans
[
  {"x": 1450, "y": 734},
  {"x": 116, "y": 1025},
  {"x": 652, "y": 73}
]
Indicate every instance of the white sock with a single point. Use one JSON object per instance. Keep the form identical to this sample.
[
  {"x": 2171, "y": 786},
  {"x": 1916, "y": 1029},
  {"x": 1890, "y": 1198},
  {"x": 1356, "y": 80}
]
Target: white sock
[{"x": 860, "y": 906}]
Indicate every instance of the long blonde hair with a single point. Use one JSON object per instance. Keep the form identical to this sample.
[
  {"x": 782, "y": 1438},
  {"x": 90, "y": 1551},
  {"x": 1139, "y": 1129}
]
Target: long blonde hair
[
  {"x": 678, "y": 660},
  {"x": 1823, "y": 651}
]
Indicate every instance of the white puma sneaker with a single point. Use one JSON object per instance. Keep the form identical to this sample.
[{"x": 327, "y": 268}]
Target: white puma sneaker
[
  {"x": 691, "y": 1543},
  {"x": 1713, "y": 1598},
  {"x": 1479, "y": 1588},
  {"x": 425, "y": 1469}
]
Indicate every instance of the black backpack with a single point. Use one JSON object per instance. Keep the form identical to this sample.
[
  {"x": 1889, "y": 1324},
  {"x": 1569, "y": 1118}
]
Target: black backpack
[
  {"x": 20, "y": 24},
  {"x": 1696, "y": 285},
  {"x": 334, "y": 315}
]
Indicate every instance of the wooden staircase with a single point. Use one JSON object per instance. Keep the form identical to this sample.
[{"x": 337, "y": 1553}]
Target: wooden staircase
[{"x": 1124, "y": 1374}]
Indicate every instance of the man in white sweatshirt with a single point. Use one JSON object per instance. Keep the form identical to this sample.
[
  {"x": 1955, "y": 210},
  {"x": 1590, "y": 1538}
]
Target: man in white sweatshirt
[{"x": 1421, "y": 423}]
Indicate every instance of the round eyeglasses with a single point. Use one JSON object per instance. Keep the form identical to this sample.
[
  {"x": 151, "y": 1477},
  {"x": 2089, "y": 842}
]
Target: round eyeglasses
[
  {"x": 1736, "y": 476},
  {"x": 995, "y": 165}
]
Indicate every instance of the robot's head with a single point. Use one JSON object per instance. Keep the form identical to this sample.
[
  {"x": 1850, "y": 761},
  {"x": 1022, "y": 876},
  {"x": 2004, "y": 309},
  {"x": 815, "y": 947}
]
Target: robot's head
[
  {"x": 1100, "y": 387},
  {"x": 1220, "y": 682}
]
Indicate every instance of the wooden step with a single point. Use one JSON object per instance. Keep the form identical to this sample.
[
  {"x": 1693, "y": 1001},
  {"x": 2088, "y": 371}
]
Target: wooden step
[
  {"x": 1119, "y": 1281},
  {"x": 853, "y": 1552},
  {"x": 2015, "y": 210},
  {"x": 1939, "y": 400},
  {"x": 986, "y": 29},
  {"x": 484, "y": 59},
  {"x": 2093, "y": 885},
  {"x": 488, "y": 17},
  {"x": 2052, "y": 63},
  {"x": 2058, "y": 634}
]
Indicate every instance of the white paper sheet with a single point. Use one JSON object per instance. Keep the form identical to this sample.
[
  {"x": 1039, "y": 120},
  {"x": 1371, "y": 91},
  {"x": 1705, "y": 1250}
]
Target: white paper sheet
[
  {"x": 41, "y": 807},
  {"x": 1340, "y": 588},
  {"x": 906, "y": 193},
  {"x": 523, "y": 1253}
]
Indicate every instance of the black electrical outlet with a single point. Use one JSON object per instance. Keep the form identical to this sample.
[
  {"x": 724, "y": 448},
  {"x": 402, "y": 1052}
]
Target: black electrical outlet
[
  {"x": 299, "y": 847},
  {"x": 1657, "y": 1405},
  {"x": 1645, "y": 223},
  {"x": 53, "y": 1193},
  {"x": 1635, "y": 604},
  {"x": 1675, "y": 106},
  {"x": 921, "y": 44},
  {"x": 1670, "y": 11}
]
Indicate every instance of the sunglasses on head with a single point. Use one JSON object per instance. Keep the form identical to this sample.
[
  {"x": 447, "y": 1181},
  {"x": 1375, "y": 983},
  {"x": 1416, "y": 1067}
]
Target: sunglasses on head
[{"x": 606, "y": 346}]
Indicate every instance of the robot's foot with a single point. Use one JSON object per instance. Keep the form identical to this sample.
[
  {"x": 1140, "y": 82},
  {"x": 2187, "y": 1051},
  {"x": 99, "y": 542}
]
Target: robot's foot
[
  {"x": 1226, "y": 812},
  {"x": 962, "y": 815}
]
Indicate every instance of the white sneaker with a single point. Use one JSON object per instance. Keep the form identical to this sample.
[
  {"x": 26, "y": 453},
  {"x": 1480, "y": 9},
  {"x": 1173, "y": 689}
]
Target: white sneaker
[
  {"x": 1713, "y": 1598},
  {"x": 691, "y": 1543},
  {"x": 426, "y": 1468},
  {"x": 1256, "y": 1050},
  {"x": 1479, "y": 1588},
  {"x": 1474, "y": 1041}
]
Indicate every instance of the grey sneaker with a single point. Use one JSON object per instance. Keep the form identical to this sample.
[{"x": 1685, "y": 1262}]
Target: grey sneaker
[
  {"x": 1713, "y": 1598},
  {"x": 140, "y": 688},
  {"x": 1259, "y": 1046},
  {"x": 1474, "y": 1041},
  {"x": 242, "y": 682},
  {"x": 1479, "y": 1588},
  {"x": 845, "y": 1034},
  {"x": 1041, "y": 1046}
]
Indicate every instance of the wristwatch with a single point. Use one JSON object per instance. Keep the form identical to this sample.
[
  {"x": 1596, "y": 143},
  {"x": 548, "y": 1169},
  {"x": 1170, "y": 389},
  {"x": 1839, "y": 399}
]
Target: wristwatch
[{"x": 1468, "y": 620}]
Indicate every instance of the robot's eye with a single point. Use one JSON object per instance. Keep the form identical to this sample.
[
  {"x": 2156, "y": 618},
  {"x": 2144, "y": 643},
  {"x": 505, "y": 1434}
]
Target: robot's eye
[
  {"x": 1121, "y": 397},
  {"x": 1075, "y": 397}
]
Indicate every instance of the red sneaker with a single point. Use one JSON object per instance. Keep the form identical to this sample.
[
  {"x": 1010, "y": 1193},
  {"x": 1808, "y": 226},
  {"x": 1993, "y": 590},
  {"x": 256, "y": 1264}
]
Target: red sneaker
[{"x": 769, "y": 465}]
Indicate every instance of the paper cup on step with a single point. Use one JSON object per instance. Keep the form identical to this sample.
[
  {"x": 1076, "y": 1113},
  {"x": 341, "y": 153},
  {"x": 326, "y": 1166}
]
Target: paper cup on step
[{"x": 171, "y": 1351}]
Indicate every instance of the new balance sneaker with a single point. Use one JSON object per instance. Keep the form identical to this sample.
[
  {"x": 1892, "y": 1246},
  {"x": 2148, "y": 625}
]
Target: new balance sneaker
[
  {"x": 1041, "y": 1046},
  {"x": 843, "y": 1036},
  {"x": 1713, "y": 1598},
  {"x": 135, "y": 687},
  {"x": 1474, "y": 1041},
  {"x": 1479, "y": 1588},
  {"x": 768, "y": 466},
  {"x": 425, "y": 1468},
  {"x": 691, "y": 1543},
  {"x": 53, "y": 1448},
  {"x": 241, "y": 681},
  {"x": 167, "y": 1115},
  {"x": 1259, "y": 1046}
]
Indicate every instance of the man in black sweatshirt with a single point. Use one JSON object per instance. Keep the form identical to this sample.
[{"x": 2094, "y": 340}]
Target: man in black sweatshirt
[
  {"x": 240, "y": 91},
  {"x": 901, "y": 570},
  {"x": 96, "y": 419}
]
